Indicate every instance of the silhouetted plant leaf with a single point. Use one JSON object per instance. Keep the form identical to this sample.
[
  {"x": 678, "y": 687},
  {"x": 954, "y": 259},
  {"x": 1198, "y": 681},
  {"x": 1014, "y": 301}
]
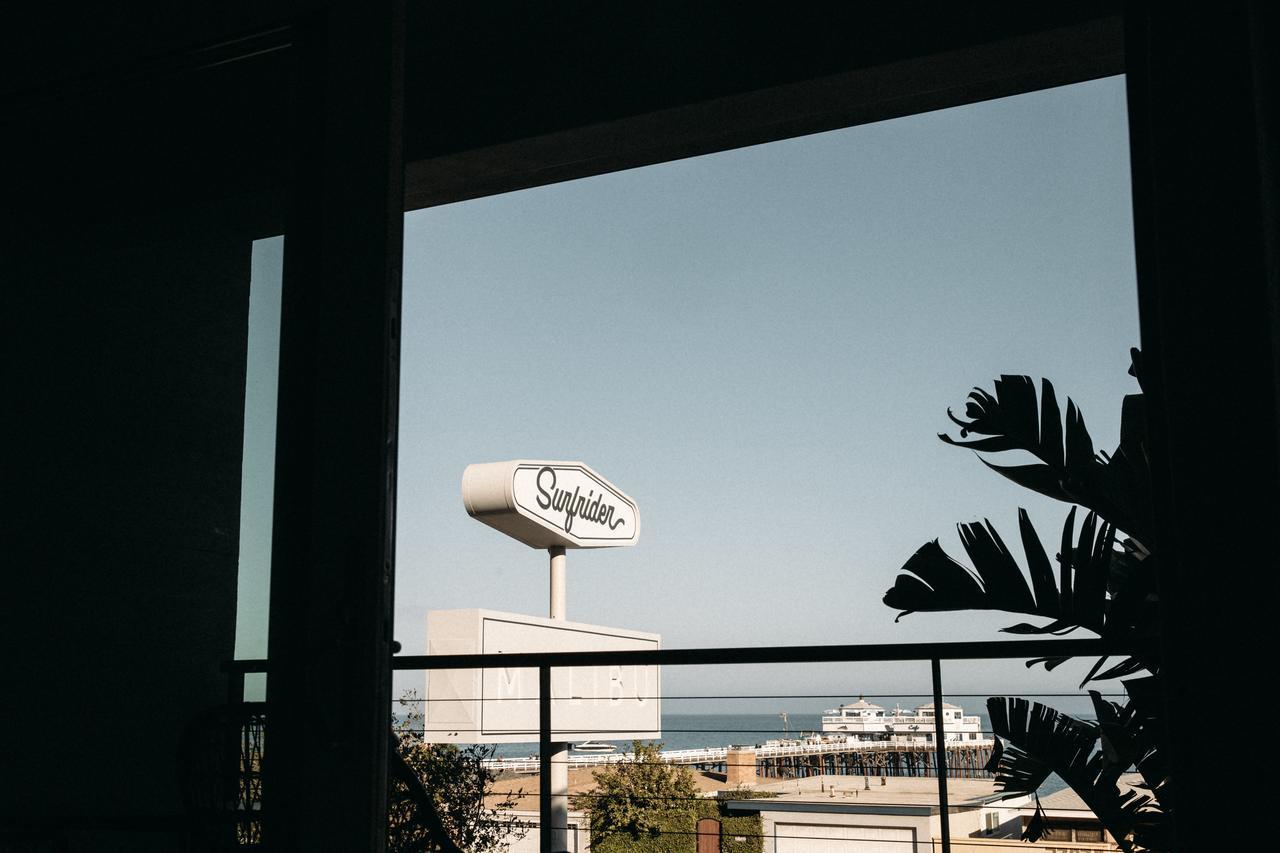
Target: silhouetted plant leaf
[
  {"x": 1058, "y": 627},
  {"x": 1040, "y": 569},
  {"x": 1115, "y": 487},
  {"x": 1093, "y": 670},
  {"x": 1065, "y": 598},
  {"x": 1128, "y": 666},
  {"x": 942, "y": 583},
  {"x": 1040, "y": 740},
  {"x": 1145, "y": 712},
  {"x": 933, "y": 581},
  {"x": 991, "y": 444},
  {"x": 1111, "y": 591},
  {"x": 1038, "y": 823},
  {"x": 1131, "y": 736},
  {"x": 1136, "y": 366},
  {"x": 1022, "y": 772},
  {"x": 1132, "y": 607},
  {"x": 1002, "y": 581},
  {"x": 1051, "y": 427},
  {"x": 1037, "y": 478},
  {"x": 1089, "y": 563},
  {"x": 1050, "y": 664}
]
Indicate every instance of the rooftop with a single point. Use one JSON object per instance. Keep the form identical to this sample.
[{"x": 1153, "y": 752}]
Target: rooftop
[
  {"x": 1067, "y": 800},
  {"x": 895, "y": 791},
  {"x": 862, "y": 705},
  {"x": 816, "y": 793},
  {"x": 581, "y": 781}
]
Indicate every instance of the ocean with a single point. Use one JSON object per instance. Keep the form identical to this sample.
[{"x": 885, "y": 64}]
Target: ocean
[{"x": 692, "y": 731}]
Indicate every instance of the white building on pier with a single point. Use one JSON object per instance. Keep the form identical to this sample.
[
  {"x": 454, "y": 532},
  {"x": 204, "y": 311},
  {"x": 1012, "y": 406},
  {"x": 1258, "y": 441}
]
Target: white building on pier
[{"x": 865, "y": 721}]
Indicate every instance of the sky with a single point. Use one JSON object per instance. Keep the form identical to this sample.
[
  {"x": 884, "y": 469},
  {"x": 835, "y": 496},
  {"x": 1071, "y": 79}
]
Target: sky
[{"x": 759, "y": 346}]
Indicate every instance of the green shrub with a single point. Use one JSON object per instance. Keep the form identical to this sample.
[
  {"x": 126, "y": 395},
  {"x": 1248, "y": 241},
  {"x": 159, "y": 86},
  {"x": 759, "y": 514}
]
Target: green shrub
[{"x": 647, "y": 806}]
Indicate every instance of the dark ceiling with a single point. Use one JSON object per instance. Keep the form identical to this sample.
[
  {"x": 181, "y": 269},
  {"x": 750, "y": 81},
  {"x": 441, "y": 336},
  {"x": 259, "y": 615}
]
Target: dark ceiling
[{"x": 480, "y": 74}]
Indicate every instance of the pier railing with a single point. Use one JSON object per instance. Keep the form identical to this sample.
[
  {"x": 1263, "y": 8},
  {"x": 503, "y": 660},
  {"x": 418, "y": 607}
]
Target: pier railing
[
  {"x": 718, "y": 755},
  {"x": 935, "y": 654}
]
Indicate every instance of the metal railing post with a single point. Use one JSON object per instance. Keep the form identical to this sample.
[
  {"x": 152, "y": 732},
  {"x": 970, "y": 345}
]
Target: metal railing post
[
  {"x": 545, "y": 753},
  {"x": 940, "y": 753}
]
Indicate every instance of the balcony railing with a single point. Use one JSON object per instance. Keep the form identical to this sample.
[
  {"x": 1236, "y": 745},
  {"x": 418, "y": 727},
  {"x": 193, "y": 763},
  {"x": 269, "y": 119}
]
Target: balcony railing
[{"x": 935, "y": 654}]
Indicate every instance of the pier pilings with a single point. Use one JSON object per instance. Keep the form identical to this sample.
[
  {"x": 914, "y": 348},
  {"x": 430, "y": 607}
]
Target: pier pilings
[{"x": 963, "y": 762}]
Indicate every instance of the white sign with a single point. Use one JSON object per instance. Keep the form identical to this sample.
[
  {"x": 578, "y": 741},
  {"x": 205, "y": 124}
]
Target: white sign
[
  {"x": 500, "y": 705},
  {"x": 550, "y": 503}
]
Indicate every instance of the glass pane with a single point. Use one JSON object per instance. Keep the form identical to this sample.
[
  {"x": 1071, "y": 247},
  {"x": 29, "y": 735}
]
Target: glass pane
[
  {"x": 258, "y": 466},
  {"x": 759, "y": 347}
]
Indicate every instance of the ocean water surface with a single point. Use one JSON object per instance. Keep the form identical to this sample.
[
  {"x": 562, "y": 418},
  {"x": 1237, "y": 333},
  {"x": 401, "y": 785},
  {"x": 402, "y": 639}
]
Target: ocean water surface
[{"x": 697, "y": 730}]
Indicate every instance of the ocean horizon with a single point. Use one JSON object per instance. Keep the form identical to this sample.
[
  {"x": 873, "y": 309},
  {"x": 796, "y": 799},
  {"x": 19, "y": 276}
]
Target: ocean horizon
[{"x": 699, "y": 730}]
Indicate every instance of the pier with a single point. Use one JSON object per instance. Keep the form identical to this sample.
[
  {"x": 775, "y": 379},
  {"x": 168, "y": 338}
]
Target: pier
[{"x": 965, "y": 760}]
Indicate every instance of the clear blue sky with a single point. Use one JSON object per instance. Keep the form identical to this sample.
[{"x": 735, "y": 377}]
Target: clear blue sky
[{"x": 759, "y": 346}]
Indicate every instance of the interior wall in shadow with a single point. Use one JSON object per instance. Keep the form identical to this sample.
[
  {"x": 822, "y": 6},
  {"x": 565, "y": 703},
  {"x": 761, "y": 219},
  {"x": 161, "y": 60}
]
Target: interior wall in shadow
[
  {"x": 126, "y": 244},
  {"x": 131, "y": 367}
]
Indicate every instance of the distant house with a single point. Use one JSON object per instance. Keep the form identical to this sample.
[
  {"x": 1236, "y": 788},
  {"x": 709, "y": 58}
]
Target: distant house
[
  {"x": 855, "y": 814},
  {"x": 1071, "y": 825}
]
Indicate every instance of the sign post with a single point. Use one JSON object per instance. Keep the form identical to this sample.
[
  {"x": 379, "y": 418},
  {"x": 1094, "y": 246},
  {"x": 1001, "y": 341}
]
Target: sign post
[
  {"x": 557, "y": 581},
  {"x": 553, "y": 756},
  {"x": 551, "y": 505}
]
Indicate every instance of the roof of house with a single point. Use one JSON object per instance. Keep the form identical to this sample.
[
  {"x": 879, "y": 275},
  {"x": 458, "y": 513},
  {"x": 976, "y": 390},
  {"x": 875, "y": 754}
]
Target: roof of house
[
  {"x": 1067, "y": 800},
  {"x": 861, "y": 705},
  {"x": 862, "y": 795}
]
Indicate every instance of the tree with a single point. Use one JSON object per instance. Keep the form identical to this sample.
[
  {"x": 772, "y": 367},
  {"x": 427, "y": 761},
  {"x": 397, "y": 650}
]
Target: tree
[
  {"x": 640, "y": 797},
  {"x": 439, "y": 798},
  {"x": 1105, "y": 583}
]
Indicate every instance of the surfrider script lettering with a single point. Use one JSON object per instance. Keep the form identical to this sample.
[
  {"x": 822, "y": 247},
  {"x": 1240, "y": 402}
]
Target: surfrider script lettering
[{"x": 591, "y": 507}]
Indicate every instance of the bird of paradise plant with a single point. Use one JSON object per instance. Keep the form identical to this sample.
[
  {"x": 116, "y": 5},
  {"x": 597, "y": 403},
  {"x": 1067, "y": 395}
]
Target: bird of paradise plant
[{"x": 1105, "y": 582}]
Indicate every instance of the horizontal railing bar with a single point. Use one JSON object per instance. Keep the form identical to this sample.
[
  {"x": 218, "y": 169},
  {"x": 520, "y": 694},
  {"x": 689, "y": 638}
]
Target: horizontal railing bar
[
  {"x": 436, "y": 729},
  {"x": 921, "y": 652},
  {"x": 865, "y": 653},
  {"x": 843, "y": 694}
]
